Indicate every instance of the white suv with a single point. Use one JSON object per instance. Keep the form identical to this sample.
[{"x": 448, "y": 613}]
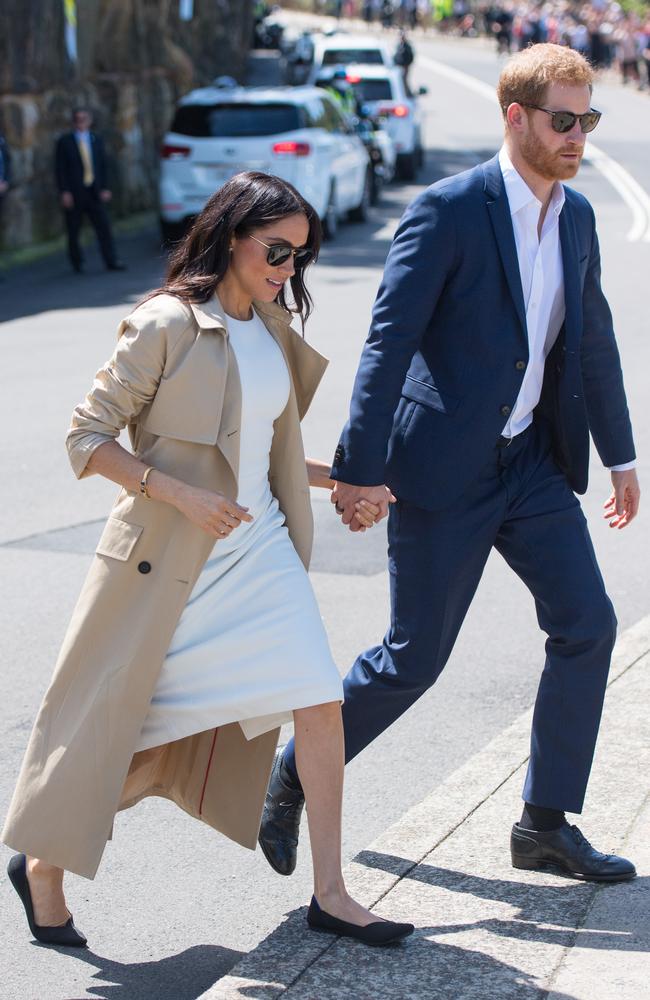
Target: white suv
[
  {"x": 296, "y": 133},
  {"x": 381, "y": 89},
  {"x": 339, "y": 49}
]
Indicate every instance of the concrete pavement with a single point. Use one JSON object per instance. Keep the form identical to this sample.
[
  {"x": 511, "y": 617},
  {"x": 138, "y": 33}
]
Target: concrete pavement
[{"x": 483, "y": 929}]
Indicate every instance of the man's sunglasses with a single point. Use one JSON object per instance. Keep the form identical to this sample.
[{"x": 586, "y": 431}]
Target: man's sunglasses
[
  {"x": 279, "y": 253},
  {"x": 563, "y": 121}
]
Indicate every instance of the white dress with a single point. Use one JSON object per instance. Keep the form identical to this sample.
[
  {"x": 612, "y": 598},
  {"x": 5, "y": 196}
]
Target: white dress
[{"x": 250, "y": 645}]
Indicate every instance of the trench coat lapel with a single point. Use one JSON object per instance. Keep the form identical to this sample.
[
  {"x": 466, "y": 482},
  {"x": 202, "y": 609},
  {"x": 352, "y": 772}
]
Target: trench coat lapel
[
  {"x": 501, "y": 220},
  {"x": 211, "y": 318}
]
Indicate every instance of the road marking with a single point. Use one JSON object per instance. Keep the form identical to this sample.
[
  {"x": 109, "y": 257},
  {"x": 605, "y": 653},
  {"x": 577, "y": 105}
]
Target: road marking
[{"x": 621, "y": 180}]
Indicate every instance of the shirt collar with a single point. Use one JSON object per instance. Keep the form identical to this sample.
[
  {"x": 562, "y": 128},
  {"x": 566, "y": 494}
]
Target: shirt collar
[
  {"x": 84, "y": 136},
  {"x": 519, "y": 194}
]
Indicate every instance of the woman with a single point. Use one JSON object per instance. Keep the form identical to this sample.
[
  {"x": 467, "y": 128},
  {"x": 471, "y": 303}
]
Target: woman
[{"x": 183, "y": 657}]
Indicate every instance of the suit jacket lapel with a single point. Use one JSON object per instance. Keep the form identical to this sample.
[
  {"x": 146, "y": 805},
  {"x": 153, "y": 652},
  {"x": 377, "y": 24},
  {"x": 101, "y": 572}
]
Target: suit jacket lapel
[
  {"x": 501, "y": 220},
  {"x": 572, "y": 298}
]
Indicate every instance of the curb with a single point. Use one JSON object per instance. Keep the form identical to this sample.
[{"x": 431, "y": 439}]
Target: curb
[{"x": 285, "y": 954}]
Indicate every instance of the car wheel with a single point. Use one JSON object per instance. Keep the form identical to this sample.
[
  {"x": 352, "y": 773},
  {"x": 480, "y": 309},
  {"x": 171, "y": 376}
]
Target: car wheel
[
  {"x": 406, "y": 166},
  {"x": 331, "y": 217},
  {"x": 171, "y": 232},
  {"x": 360, "y": 213}
]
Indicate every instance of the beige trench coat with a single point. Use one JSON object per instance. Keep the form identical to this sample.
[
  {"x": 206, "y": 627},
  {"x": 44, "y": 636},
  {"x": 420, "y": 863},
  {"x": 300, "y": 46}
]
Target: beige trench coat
[{"x": 173, "y": 380}]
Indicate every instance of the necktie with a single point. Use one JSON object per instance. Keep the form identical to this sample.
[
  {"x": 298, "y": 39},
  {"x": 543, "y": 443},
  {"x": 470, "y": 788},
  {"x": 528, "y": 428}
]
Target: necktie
[{"x": 86, "y": 159}]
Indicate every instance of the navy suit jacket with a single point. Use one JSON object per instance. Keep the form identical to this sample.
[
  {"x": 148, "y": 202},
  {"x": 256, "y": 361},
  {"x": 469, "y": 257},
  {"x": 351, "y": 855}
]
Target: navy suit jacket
[
  {"x": 442, "y": 366},
  {"x": 69, "y": 166}
]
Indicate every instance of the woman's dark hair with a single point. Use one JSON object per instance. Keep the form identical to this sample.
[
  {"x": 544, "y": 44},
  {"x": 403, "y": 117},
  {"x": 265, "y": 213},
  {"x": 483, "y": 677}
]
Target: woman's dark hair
[{"x": 244, "y": 203}]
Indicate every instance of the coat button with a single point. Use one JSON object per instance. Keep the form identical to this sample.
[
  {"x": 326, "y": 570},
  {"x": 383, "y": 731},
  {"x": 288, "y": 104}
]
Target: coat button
[
  {"x": 505, "y": 411},
  {"x": 520, "y": 365},
  {"x": 144, "y": 567}
]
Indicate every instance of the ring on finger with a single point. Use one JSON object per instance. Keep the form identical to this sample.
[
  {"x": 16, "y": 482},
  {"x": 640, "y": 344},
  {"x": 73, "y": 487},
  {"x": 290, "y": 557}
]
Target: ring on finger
[{"x": 338, "y": 508}]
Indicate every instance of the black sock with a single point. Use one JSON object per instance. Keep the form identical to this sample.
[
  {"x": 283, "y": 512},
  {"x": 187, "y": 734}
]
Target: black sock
[{"x": 541, "y": 819}]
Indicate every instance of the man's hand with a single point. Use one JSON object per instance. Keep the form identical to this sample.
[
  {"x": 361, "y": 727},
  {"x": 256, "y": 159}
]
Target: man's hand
[
  {"x": 105, "y": 195},
  {"x": 67, "y": 200},
  {"x": 346, "y": 498},
  {"x": 623, "y": 505},
  {"x": 3, "y": 187}
]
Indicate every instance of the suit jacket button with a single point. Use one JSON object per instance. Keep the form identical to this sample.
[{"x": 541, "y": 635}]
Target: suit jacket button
[
  {"x": 144, "y": 567},
  {"x": 520, "y": 365},
  {"x": 505, "y": 411}
]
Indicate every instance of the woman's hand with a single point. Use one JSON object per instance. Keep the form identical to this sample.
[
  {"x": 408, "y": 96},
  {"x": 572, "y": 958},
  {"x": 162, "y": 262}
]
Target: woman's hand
[
  {"x": 365, "y": 514},
  {"x": 212, "y": 512}
]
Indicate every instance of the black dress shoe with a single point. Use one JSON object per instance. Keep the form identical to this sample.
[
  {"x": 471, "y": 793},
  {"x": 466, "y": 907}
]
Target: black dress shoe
[
  {"x": 566, "y": 850},
  {"x": 378, "y": 933},
  {"x": 66, "y": 935},
  {"x": 117, "y": 265},
  {"x": 278, "y": 836}
]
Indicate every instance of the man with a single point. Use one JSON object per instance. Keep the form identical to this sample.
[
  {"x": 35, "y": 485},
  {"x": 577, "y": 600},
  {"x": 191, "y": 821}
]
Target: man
[
  {"x": 83, "y": 188},
  {"x": 404, "y": 57},
  {"x": 339, "y": 87},
  {"x": 5, "y": 172},
  {"x": 490, "y": 358}
]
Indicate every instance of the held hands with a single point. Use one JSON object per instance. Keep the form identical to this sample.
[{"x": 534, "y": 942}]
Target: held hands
[
  {"x": 361, "y": 506},
  {"x": 623, "y": 505},
  {"x": 212, "y": 512}
]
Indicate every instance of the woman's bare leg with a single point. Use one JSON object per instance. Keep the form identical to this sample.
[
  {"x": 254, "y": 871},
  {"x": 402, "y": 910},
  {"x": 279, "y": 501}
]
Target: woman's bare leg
[
  {"x": 46, "y": 881},
  {"x": 320, "y": 761}
]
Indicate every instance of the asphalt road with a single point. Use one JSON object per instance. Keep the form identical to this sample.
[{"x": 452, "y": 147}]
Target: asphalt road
[{"x": 175, "y": 905}]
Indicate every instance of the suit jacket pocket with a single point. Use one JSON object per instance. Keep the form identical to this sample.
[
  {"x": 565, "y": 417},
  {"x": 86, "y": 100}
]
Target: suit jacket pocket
[
  {"x": 429, "y": 395},
  {"x": 118, "y": 539}
]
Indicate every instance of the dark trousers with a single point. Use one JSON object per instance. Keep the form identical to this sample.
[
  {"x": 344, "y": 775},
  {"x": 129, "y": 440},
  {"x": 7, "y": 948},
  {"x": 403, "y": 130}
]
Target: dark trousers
[
  {"x": 87, "y": 202},
  {"x": 523, "y": 506}
]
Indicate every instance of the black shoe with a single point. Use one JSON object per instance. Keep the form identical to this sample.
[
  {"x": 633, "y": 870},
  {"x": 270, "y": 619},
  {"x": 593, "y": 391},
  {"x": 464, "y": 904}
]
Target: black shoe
[
  {"x": 567, "y": 851},
  {"x": 78, "y": 269},
  {"x": 378, "y": 933},
  {"x": 67, "y": 935},
  {"x": 117, "y": 265},
  {"x": 278, "y": 836}
]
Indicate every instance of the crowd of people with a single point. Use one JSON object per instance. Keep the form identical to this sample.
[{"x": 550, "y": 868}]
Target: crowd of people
[{"x": 601, "y": 30}]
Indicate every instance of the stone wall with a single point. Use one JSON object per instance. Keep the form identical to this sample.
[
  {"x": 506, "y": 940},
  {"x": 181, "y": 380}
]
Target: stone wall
[{"x": 135, "y": 58}]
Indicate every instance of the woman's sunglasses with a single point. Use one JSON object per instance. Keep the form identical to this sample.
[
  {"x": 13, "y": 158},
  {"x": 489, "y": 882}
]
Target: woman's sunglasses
[
  {"x": 279, "y": 253},
  {"x": 563, "y": 121}
]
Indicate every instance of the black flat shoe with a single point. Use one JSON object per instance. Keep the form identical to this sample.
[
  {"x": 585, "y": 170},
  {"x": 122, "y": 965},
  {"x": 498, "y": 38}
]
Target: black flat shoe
[
  {"x": 378, "y": 933},
  {"x": 567, "y": 851},
  {"x": 280, "y": 827},
  {"x": 66, "y": 936}
]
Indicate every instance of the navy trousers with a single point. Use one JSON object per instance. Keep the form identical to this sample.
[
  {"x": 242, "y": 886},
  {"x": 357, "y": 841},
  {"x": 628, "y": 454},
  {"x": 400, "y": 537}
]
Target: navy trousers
[{"x": 523, "y": 506}]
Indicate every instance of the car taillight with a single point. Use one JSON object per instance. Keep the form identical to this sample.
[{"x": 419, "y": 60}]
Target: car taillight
[
  {"x": 170, "y": 152},
  {"x": 353, "y": 78},
  {"x": 292, "y": 148},
  {"x": 398, "y": 110}
]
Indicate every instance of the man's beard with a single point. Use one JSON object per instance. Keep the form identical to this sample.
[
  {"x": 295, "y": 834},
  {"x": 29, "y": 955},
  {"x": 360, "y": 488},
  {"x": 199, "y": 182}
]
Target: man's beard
[{"x": 549, "y": 164}]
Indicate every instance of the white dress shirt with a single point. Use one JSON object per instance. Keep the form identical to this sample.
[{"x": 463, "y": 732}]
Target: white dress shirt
[{"x": 542, "y": 283}]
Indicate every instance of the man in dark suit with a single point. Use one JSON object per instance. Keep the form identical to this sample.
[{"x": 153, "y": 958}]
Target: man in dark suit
[
  {"x": 81, "y": 178},
  {"x": 491, "y": 357},
  {"x": 5, "y": 172}
]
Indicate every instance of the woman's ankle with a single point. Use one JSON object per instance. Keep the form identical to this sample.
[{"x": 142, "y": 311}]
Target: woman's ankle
[{"x": 41, "y": 869}]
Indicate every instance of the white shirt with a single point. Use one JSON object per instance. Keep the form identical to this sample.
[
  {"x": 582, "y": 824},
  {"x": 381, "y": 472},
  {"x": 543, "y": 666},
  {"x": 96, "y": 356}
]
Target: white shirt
[{"x": 542, "y": 283}]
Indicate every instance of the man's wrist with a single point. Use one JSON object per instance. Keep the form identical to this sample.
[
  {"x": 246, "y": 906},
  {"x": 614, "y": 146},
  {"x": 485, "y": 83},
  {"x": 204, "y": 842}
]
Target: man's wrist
[{"x": 622, "y": 468}]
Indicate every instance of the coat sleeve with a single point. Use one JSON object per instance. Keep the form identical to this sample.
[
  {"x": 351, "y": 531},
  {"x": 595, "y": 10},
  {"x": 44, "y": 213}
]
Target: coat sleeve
[
  {"x": 127, "y": 382},
  {"x": 419, "y": 262},
  {"x": 62, "y": 173},
  {"x": 605, "y": 399}
]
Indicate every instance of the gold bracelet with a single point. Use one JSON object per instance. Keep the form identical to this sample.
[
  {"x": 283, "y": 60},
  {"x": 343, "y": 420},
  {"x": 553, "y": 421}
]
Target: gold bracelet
[{"x": 143, "y": 482}]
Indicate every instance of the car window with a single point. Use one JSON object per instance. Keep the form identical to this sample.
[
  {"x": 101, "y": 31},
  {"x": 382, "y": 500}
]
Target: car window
[
  {"x": 332, "y": 118},
  {"x": 316, "y": 114},
  {"x": 373, "y": 90},
  {"x": 371, "y": 57},
  {"x": 236, "y": 119}
]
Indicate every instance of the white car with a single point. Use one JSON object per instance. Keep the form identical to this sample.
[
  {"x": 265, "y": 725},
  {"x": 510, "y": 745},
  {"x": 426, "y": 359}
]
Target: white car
[
  {"x": 297, "y": 133},
  {"x": 340, "y": 49},
  {"x": 381, "y": 89}
]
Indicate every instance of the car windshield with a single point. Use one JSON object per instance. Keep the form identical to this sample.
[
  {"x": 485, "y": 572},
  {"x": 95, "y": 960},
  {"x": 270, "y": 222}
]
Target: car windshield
[
  {"x": 373, "y": 90},
  {"x": 236, "y": 119},
  {"x": 371, "y": 57}
]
